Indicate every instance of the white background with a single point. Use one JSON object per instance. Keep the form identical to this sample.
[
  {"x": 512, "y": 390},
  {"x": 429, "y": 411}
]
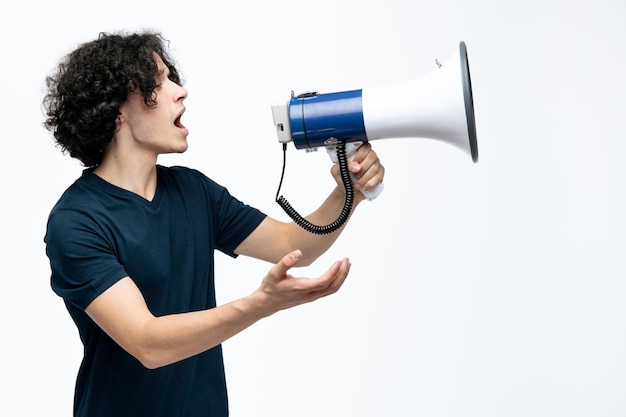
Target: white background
[{"x": 489, "y": 289}]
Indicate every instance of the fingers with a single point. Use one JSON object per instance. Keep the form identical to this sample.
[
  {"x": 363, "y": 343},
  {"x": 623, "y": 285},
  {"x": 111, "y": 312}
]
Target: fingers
[
  {"x": 335, "y": 276},
  {"x": 332, "y": 278},
  {"x": 285, "y": 291},
  {"x": 286, "y": 263},
  {"x": 328, "y": 283},
  {"x": 367, "y": 168}
]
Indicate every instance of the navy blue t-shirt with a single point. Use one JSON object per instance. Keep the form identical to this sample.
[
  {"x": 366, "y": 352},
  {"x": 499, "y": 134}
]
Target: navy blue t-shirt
[{"x": 99, "y": 233}]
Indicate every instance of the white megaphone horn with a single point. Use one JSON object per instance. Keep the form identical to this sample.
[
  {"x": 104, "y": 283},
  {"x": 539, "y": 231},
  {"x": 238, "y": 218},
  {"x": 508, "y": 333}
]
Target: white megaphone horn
[{"x": 438, "y": 105}]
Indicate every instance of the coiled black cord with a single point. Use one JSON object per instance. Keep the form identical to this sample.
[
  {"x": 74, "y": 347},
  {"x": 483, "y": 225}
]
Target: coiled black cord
[{"x": 348, "y": 202}]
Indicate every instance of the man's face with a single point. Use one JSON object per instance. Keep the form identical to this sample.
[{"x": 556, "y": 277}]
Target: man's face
[{"x": 156, "y": 130}]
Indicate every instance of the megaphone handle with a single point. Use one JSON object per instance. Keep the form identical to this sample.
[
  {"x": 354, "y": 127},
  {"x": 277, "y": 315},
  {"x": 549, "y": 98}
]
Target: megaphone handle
[{"x": 351, "y": 148}]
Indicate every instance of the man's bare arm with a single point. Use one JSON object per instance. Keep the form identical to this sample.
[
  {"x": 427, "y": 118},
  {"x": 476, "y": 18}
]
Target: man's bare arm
[{"x": 122, "y": 313}]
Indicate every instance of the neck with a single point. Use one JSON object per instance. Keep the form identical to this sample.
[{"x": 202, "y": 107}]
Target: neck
[{"x": 138, "y": 176}]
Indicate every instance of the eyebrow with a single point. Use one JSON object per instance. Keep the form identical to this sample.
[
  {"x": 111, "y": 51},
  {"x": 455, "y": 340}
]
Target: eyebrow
[{"x": 163, "y": 72}]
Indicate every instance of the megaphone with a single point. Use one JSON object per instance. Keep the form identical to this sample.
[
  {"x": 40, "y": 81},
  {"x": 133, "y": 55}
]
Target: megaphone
[{"x": 438, "y": 105}]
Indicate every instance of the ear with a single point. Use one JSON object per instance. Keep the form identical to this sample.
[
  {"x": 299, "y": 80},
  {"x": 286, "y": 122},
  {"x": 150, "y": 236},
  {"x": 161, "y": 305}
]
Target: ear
[
  {"x": 126, "y": 109},
  {"x": 121, "y": 118}
]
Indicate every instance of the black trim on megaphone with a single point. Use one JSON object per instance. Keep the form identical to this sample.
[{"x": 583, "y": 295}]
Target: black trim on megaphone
[{"x": 469, "y": 102}]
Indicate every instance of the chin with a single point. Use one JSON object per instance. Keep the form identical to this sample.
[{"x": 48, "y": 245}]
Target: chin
[{"x": 182, "y": 148}]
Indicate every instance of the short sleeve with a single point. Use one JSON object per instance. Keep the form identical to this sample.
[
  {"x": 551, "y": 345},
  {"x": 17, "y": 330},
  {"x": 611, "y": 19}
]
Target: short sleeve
[
  {"x": 82, "y": 258},
  {"x": 233, "y": 219}
]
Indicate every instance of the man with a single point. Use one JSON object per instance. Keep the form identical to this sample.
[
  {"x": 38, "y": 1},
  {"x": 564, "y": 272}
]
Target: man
[{"x": 131, "y": 242}]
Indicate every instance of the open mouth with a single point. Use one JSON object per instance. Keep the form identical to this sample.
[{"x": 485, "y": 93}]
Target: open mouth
[
  {"x": 180, "y": 126},
  {"x": 177, "y": 122}
]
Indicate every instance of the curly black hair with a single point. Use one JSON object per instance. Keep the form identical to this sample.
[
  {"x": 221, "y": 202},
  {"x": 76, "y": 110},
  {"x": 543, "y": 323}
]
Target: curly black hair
[{"x": 92, "y": 82}]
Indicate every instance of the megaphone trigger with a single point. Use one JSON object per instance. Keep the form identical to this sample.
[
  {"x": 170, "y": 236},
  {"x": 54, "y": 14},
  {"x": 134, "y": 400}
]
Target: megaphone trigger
[{"x": 351, "y": 149}]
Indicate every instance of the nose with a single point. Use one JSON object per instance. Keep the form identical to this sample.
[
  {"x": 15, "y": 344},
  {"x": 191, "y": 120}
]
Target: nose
[{"x": 182, "y": 93}]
